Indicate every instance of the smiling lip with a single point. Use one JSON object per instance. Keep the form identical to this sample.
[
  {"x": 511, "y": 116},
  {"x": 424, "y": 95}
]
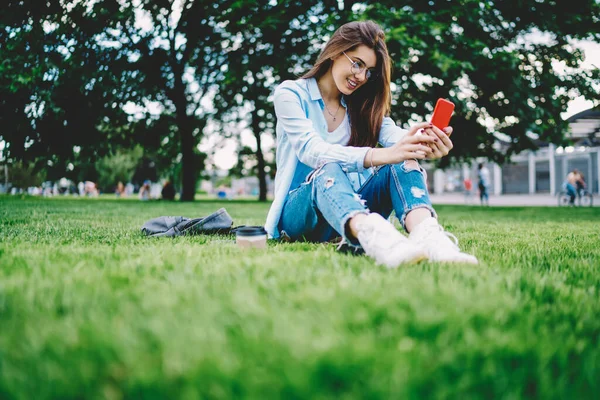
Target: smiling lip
[{"x": 350, "y": 86}]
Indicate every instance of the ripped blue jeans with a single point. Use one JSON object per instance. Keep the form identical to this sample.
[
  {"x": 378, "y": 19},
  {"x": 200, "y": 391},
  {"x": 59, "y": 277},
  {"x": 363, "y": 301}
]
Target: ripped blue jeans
[{"x": 319, "y": 209}]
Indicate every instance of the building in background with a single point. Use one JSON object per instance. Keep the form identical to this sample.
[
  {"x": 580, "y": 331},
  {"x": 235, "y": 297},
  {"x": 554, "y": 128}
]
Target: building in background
[{"x": 540, "y": 171}]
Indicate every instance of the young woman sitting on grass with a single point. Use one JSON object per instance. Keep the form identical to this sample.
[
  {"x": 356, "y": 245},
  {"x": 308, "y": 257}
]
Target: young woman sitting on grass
[{"x": 331, "y": 178}]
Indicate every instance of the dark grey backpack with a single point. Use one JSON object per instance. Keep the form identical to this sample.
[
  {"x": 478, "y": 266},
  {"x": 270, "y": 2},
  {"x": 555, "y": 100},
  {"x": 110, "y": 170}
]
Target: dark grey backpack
[{"x": 217, "y": 222}]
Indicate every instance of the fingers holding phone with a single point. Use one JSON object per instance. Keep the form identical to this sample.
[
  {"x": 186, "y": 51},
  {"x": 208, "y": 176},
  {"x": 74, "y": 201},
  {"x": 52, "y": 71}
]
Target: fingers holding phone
[
  {"x": 414, "y": 145},
  {"x": 441, "y": 130},
  {"x": 442, "y": 146}
]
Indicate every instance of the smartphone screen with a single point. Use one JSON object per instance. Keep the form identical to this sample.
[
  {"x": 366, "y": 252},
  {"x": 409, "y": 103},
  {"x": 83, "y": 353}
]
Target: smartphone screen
[{"x": 442, "y": 113}]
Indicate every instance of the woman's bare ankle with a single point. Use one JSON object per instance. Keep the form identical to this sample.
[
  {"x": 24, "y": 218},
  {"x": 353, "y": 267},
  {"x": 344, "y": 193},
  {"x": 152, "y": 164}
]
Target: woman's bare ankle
[
  {"x": 353, "y": 223},
  {"x": 415, "y": 217}
]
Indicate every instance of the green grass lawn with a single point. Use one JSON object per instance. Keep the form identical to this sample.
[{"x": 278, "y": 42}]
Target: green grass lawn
[{"x": 89, "y": 308}]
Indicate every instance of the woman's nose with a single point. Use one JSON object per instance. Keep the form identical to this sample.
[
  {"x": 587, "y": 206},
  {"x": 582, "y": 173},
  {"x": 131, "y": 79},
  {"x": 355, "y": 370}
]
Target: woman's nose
[{"x": 362, "y": 75}]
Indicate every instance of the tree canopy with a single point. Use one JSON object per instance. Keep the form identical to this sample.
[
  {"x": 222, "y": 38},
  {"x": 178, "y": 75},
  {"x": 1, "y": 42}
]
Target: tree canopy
[
  {"x": 62, "y": 82},
  {"x": 82, "y": 79},
  {"x": 500, "y": 62}
]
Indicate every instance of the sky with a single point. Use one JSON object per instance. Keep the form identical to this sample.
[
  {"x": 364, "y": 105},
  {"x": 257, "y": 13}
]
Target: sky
[{"x": 592, "y": 60}]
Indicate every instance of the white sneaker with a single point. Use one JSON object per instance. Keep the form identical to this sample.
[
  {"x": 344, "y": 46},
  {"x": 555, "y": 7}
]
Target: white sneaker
[
  {"x": 439, "y": 245},
  {"x": 382, "y": 241}
]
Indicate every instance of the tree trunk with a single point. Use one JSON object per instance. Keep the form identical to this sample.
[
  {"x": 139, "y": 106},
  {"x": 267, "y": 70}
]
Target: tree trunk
[
  {"x": 262, "y": 176},
  {"x": 188, "y": 164},
  {"x": 186, "y": 138}
]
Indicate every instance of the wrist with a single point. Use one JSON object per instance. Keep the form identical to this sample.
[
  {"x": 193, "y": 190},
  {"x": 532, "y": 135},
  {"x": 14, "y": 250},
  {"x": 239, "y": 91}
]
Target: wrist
[
  {"x": 370, "y": 158},
  {"x": 381, "y": 156}
]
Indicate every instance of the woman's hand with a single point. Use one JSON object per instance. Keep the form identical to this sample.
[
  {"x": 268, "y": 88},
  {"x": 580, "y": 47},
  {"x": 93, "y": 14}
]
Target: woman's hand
[
  {"x": 442, "y": 146},
  {"x": 412, "y": 146}
]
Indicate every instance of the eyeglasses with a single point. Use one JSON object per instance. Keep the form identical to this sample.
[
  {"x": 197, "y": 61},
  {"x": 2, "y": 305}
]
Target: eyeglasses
[{"x": 358, "y": 67}]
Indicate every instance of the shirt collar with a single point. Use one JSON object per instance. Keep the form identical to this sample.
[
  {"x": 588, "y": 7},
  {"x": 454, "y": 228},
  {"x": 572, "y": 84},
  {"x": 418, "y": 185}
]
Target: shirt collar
[
  {"x": 315, "y": 93},
  {"x": 313, "y": 89}
]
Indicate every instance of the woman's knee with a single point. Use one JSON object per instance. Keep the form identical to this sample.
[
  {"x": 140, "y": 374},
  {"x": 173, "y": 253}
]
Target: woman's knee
[
  {"x": 409, "y": 166},
  {"x": 331, "y": 168},
  {"x": 329, "y": 172},
  {"x": 331, "y": 178},
  {"x": 409, "y": 169}
]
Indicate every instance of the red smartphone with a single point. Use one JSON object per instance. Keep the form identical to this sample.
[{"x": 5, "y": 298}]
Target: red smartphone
[{"x": 442, "y": 113}]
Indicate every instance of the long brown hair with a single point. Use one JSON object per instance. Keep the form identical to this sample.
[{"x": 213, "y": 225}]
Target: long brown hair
[{"x": 372, "y": 101}]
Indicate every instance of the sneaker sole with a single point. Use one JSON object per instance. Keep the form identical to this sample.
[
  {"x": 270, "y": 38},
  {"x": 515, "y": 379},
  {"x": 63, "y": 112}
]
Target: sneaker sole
[
  {"x": 411, "y": 261},
  {"x": 418, "y": 260}
]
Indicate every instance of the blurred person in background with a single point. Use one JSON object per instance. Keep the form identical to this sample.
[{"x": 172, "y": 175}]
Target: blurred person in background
[
  {"x": 120, "y": 190},
  {"x": 574, "y": 185},
  {"x": 168, "y": 191},
  {"x": 468, "y": 187},
  {"x": 483, "y": 183},
  {"x": 90, "y": 189},
  {"x": 144, "y": 193}
]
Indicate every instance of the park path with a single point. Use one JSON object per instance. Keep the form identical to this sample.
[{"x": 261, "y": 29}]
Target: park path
[{"x": 503, "y": 200}]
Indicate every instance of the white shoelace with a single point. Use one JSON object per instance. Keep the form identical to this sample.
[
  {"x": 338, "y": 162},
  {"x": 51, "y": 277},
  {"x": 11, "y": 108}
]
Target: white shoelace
[
  {"x": 435, "y": 230},
  {"x": 451, "y": 236}
]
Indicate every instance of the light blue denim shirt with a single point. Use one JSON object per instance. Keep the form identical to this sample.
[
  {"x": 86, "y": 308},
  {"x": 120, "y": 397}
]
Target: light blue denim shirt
[{"x": 301, "y": 139}]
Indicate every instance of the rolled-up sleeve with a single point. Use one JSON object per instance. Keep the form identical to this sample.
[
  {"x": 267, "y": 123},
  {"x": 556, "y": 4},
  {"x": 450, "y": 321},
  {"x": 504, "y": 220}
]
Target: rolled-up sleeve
[
  {"x": 309, "y": 146},
  {"x": 390, "y": 133}
]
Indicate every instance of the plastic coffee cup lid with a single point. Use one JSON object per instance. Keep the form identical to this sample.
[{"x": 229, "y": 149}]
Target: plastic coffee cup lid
[{"x": 250, "y": 231}]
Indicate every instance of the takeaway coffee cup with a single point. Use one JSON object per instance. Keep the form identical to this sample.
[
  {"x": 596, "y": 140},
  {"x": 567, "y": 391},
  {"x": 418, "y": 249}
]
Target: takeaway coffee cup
[{"x": 251, "y": 237}]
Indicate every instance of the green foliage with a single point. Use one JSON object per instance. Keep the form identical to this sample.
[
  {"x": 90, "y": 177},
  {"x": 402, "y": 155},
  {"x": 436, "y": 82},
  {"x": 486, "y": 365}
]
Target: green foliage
[
  {"x": 90, "y": 306},
  {"x": 118, "y": 167},
  {"x": 475, "y": 54},
  {"x": 70, "y": 67},
  {"x": 63, "y": 85},
  {"x": 22, "y": 175},
  {"x": 178, "y": 62},
  {"x": 265, "y": 43},
  {"x": 224, "y": 181}
]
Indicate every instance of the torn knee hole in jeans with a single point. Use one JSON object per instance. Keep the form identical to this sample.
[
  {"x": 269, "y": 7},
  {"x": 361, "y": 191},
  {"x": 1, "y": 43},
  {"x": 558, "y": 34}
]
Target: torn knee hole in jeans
[
  {"x": 411, "y": 165},
  {"x": 329, "y": 183},
  {"x": 417, "y": 192}
]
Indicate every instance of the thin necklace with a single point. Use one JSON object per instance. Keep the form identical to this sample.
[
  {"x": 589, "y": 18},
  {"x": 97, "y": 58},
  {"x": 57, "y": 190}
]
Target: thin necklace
[
  {"x": 329, "y": 112},
  {"x": 327, "y": 108}
]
